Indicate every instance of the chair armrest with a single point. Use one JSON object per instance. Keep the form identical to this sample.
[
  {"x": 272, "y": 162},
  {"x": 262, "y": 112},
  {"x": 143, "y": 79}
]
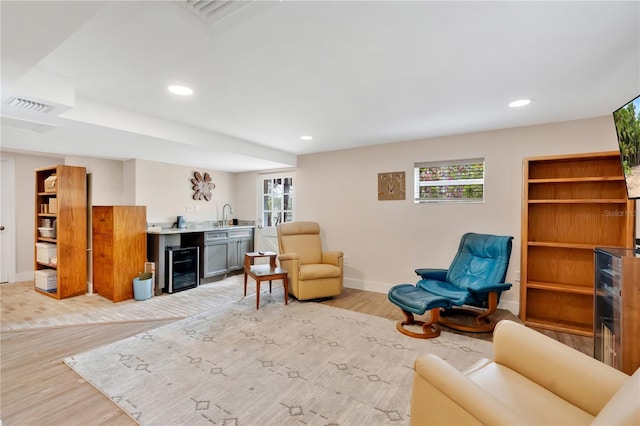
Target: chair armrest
[
  {"x": 497, "y": 287},
  {"x": 432, "y": 274},
  {"x": 332, "y": 257},
  {"x": 290, "y": 262},
  {"x": 556, "y": 367},
  {"x": 288, "y": 256},
  {"x": 443, "y": 395}
]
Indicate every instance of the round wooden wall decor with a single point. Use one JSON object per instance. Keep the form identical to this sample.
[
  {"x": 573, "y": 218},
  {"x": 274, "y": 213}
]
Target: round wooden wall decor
[{"x": 202, "y": 186}]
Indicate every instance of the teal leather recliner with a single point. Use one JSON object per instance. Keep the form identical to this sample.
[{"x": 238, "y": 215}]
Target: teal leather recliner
[{"x": 472, "y": 285}]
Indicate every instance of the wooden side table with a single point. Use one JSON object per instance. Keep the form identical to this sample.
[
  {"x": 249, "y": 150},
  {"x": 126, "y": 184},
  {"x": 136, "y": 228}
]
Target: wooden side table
[{"x": 263, "y": 273}]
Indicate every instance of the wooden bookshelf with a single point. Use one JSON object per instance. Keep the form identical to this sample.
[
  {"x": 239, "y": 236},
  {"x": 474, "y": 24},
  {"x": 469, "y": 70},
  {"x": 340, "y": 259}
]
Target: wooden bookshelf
[
  {"x": 70, "y": 240},
  {"x": 571, "y": 204}
]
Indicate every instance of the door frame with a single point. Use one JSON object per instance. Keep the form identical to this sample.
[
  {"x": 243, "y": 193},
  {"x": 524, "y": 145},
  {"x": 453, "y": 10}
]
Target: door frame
[
  {"x": 7, "y": 217},
  {"x": 269, "y": 233}
]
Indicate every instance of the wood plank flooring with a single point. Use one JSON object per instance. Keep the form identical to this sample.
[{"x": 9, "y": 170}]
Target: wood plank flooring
[
  {"x": 38, "y": 389},
  {"x": 377, "y": 304}
]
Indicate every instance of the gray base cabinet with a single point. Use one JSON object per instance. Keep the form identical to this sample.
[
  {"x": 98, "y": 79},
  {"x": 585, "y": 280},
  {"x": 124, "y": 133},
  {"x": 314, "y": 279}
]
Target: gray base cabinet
[
  {"x": 240, "y": 242},
  {"x": 214, "y": 260}
]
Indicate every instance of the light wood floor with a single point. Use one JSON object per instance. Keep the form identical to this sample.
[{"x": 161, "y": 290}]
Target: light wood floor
[
  {"x": 38, "y": 389},
  {"x": 377, "y": 304}
]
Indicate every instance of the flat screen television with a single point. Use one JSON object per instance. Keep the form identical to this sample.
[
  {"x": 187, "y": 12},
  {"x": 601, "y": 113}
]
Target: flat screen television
[{"x": 627, "y": 122}]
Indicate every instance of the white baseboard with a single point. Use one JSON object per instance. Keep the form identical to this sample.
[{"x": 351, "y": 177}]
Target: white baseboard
[
  {"x": 23, "y": 276},
  {"x": 510, "y": 305},
  {"x": 367, "y": 285}
]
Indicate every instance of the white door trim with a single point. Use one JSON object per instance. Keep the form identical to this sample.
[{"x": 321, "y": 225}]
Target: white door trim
[
  {"x": 8, "y": 220},
  {"x": 265, "y": 238}
]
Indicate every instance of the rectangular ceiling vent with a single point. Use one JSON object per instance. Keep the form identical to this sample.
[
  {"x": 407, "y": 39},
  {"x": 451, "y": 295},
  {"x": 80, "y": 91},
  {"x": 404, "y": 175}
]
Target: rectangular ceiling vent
[
  {"x": 212, "y": 11},
  {"x": 27, "y": 105}
]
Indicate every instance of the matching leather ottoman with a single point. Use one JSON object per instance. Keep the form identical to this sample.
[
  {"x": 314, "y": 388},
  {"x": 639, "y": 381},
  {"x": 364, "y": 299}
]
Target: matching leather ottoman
[{"x": 413, "y": 300}]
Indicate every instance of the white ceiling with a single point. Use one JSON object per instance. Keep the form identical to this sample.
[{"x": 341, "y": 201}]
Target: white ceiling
[{"x": 349, "y": 73}]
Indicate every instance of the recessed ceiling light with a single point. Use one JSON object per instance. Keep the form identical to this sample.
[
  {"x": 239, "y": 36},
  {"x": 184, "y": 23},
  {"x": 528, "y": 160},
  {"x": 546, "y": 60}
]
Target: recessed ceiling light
[
  {"x": 306, "y": 137},
  {"x": 180, "y": 90},
  {"x": 519, "y": 103}
]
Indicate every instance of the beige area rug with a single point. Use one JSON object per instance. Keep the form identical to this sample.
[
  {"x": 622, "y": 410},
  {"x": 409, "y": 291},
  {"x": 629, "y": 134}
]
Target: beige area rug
[{"x": 301, "y": 364}]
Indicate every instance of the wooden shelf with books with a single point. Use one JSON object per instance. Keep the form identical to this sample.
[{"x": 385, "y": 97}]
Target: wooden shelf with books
[{"x": 60, "y": 258}]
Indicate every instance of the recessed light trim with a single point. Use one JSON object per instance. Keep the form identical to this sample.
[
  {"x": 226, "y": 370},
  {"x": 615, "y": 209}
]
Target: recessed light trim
[
  {"x": 180, "y": 90},
  {"x": 306, "y": 137},
  {"x": 519, "y": 103}
]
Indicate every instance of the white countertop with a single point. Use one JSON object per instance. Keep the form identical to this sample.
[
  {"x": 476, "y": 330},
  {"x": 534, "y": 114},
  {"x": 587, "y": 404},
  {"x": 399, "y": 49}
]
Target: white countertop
[{"x": 187, "y": 230}]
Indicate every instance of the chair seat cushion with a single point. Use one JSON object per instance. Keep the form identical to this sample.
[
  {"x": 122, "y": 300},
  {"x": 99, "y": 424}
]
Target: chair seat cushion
[
  {"x": 316, "y": 271},
  {"x": 527, "y": 398},
  {"x": 457, "y": 296},
  {"x": 415, "y": 300}
]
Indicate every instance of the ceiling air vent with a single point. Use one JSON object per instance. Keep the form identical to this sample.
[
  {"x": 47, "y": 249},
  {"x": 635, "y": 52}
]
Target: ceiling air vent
[
  {"x": 27, "y": 105},
  {"x": 212, "y": 11}
]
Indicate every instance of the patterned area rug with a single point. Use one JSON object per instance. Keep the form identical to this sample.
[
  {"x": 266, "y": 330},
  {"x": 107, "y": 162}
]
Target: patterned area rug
[{"x": 302, "y": 364}]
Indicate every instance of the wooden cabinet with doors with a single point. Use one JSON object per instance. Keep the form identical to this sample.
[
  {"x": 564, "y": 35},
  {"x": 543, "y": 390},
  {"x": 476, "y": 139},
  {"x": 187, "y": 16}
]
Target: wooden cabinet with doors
[
  {"x": 571, "y": 204},
  {"x": 119, "y": 249},
  {"x": 60, "y": 260}
]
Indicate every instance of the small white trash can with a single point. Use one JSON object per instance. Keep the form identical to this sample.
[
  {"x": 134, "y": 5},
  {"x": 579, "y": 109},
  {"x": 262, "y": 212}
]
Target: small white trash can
[{"x": 142, "y": 288}]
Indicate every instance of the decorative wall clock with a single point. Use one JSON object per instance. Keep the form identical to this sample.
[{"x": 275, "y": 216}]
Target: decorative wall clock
[{"x": 202, "y": 186}]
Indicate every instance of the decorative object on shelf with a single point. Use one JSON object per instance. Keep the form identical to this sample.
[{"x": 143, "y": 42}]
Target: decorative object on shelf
[
  {"x": 202, "y": 186},
  {"x": 50, "y": 183},
  {"x": 391, "y": 186}
]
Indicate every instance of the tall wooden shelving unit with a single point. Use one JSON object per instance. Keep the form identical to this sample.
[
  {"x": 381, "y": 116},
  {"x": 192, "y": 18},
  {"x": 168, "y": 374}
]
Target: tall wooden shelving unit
[
  {"x": 71, "y": 230},
  {"x": 571, "y": 204}
]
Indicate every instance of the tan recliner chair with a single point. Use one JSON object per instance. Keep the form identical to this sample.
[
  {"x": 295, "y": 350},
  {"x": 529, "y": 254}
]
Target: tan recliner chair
[
  {"x": 532, "y": 380},
  {"x": 313, "y": 274}
]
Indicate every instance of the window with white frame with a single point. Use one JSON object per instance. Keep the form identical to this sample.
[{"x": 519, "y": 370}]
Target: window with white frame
[
  {"x": 449, "y": 181},
  {"x": 277, "y": 205}
]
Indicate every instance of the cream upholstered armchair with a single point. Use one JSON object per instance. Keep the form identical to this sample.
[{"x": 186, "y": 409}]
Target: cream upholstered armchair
[
  {"x": 532, "y": 380},
  {"x": 313, "y": 274}
]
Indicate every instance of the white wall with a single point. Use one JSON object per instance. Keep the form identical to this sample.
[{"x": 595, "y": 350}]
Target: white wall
[
  {"x": 128, "y": 180},
  {"x": 166, "y": 191},
  {"x": 106, "y": 179},
  {"x": 246, "y": 204},
  {"x": 384, "y": 241}
]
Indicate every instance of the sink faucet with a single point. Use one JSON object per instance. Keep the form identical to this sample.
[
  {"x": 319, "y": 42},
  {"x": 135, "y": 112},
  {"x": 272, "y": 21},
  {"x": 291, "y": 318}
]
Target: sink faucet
[{"x": 224, "y": 217}]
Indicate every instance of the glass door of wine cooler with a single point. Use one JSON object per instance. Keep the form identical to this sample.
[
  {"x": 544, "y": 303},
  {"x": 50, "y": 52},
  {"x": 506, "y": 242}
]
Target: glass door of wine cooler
[{"x": 607, "y": 304}]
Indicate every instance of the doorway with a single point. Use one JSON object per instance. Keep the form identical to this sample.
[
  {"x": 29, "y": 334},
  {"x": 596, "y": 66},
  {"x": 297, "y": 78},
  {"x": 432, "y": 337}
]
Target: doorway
[
  {"x": 7, "y": 221},
  {"x": 276, "y": 204}
]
